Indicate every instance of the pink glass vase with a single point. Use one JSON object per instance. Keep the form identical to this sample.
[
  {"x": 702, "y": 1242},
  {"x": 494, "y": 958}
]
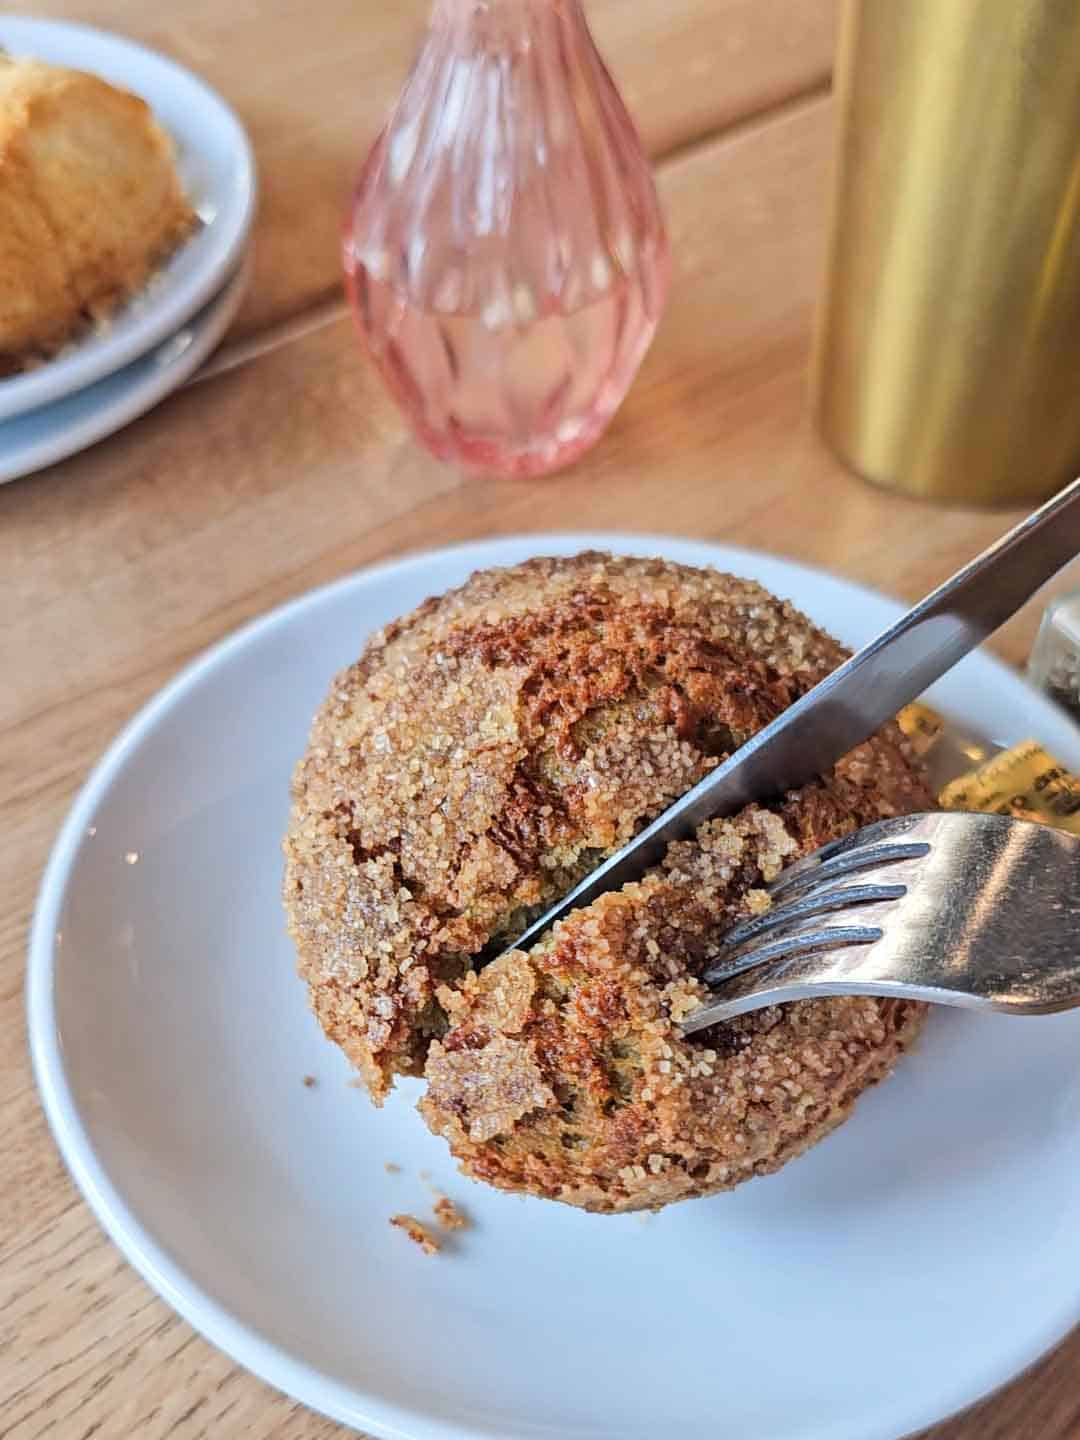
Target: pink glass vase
[{"x": 506, "y": 255}]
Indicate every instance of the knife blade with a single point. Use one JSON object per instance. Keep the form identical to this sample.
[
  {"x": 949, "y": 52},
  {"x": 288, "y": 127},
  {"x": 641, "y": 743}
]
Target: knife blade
[{"x": 854, "y": 701}]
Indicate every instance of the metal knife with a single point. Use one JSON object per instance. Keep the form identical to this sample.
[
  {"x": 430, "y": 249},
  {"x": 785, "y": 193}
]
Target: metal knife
[{"x": 857, "y": 698}]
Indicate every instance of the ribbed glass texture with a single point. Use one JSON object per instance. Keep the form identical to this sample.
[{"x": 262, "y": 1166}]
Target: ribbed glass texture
[{"x": 505, "y": 254}]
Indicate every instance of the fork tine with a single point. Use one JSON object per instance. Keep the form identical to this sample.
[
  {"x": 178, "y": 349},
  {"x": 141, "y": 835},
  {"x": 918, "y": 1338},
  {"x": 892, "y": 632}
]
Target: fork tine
[
  {"x": 816, "y": 871},
  {"x": 879, "y": 832},
  {"x": 774, "y": 954},
  {"x": 817, "y": 902},
  {"x": 792, "y": 939}
]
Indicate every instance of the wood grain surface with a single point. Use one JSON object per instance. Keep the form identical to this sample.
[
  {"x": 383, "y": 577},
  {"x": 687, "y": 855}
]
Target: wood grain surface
[{"x": 292, "y": 467}]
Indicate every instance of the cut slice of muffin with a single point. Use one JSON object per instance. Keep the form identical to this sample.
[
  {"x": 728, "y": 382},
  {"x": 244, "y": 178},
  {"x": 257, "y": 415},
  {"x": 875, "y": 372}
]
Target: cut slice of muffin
[
  {"x": 90, "y": 203},
  {"x": 483, "y": 754},
  {"x": 565, "y": 1074}
]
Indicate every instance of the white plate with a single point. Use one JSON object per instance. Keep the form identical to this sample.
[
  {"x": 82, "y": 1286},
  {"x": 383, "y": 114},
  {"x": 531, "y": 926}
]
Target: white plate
[
  {"x": 30, "y": 442},
  {"x": 218, "y": 172},
  {"x": 918, "y": 1257}
]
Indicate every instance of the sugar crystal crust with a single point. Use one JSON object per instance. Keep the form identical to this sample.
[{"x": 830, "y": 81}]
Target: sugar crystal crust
[{"x": 480, "y": 757}]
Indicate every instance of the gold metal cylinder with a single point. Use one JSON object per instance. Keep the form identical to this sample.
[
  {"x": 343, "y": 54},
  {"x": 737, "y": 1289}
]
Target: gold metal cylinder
[{"x": 947, "y": 361}]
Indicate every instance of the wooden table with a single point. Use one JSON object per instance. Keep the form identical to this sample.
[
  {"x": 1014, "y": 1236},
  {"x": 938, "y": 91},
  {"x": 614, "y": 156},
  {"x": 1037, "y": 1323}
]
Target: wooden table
[{"x": 287, "y": 466}]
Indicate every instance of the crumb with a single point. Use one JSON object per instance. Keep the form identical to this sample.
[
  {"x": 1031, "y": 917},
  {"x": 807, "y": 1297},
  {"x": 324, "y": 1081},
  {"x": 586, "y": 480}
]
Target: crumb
[
  {"x": 310, "y": 1082},
  {"x": 357, "y": 1084},
  {"x": 758, "y": 902},
  {"x": 391, "y": 1168},
  {"x": 425, "y": 1174},
  {"x": 449, "y": 1216},
  {"x": 417, "y": 1232}
]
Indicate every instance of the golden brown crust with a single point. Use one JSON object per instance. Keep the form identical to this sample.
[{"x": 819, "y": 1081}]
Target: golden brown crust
[
  {"x": 485, "y": 752},
  {"x": 90, "y": 203}
]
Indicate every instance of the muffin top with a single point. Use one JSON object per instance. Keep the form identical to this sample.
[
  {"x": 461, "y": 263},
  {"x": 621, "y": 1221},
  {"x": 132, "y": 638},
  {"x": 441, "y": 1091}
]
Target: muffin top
[
  {"x": 90, "y": 203},
  {"x": 489, "y": 749}
]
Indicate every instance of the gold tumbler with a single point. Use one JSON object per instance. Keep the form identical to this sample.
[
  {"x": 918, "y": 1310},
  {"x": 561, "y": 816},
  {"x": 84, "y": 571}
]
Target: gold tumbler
[{"x": 947, "y": 361}]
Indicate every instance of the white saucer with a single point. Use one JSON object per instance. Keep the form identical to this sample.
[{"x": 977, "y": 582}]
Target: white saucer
[
  {"x": 918, "y": 1257},
  {"x": 218, "y": 172},
  {"x": 44, "y": 436}
]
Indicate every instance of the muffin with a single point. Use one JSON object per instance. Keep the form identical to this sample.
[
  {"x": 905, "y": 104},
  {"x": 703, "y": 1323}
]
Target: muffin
[
  {"x": 90, "y": 202},
  {"x": 482, "y": 756}
]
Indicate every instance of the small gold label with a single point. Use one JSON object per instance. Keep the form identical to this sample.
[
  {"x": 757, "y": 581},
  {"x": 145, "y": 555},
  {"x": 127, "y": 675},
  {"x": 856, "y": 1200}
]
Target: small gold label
[
  {"x": 1025, "y": 781},
  {"x": 921, "y": 725}
]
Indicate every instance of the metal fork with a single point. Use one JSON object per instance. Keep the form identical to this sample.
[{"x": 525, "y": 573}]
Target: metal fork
[{"x": 974, "y": 910}]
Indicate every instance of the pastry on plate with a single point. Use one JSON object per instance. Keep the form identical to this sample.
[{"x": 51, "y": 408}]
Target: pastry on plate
[
  {"x": 90, "y": 204},
  {"x": 483, "y": 754}
]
